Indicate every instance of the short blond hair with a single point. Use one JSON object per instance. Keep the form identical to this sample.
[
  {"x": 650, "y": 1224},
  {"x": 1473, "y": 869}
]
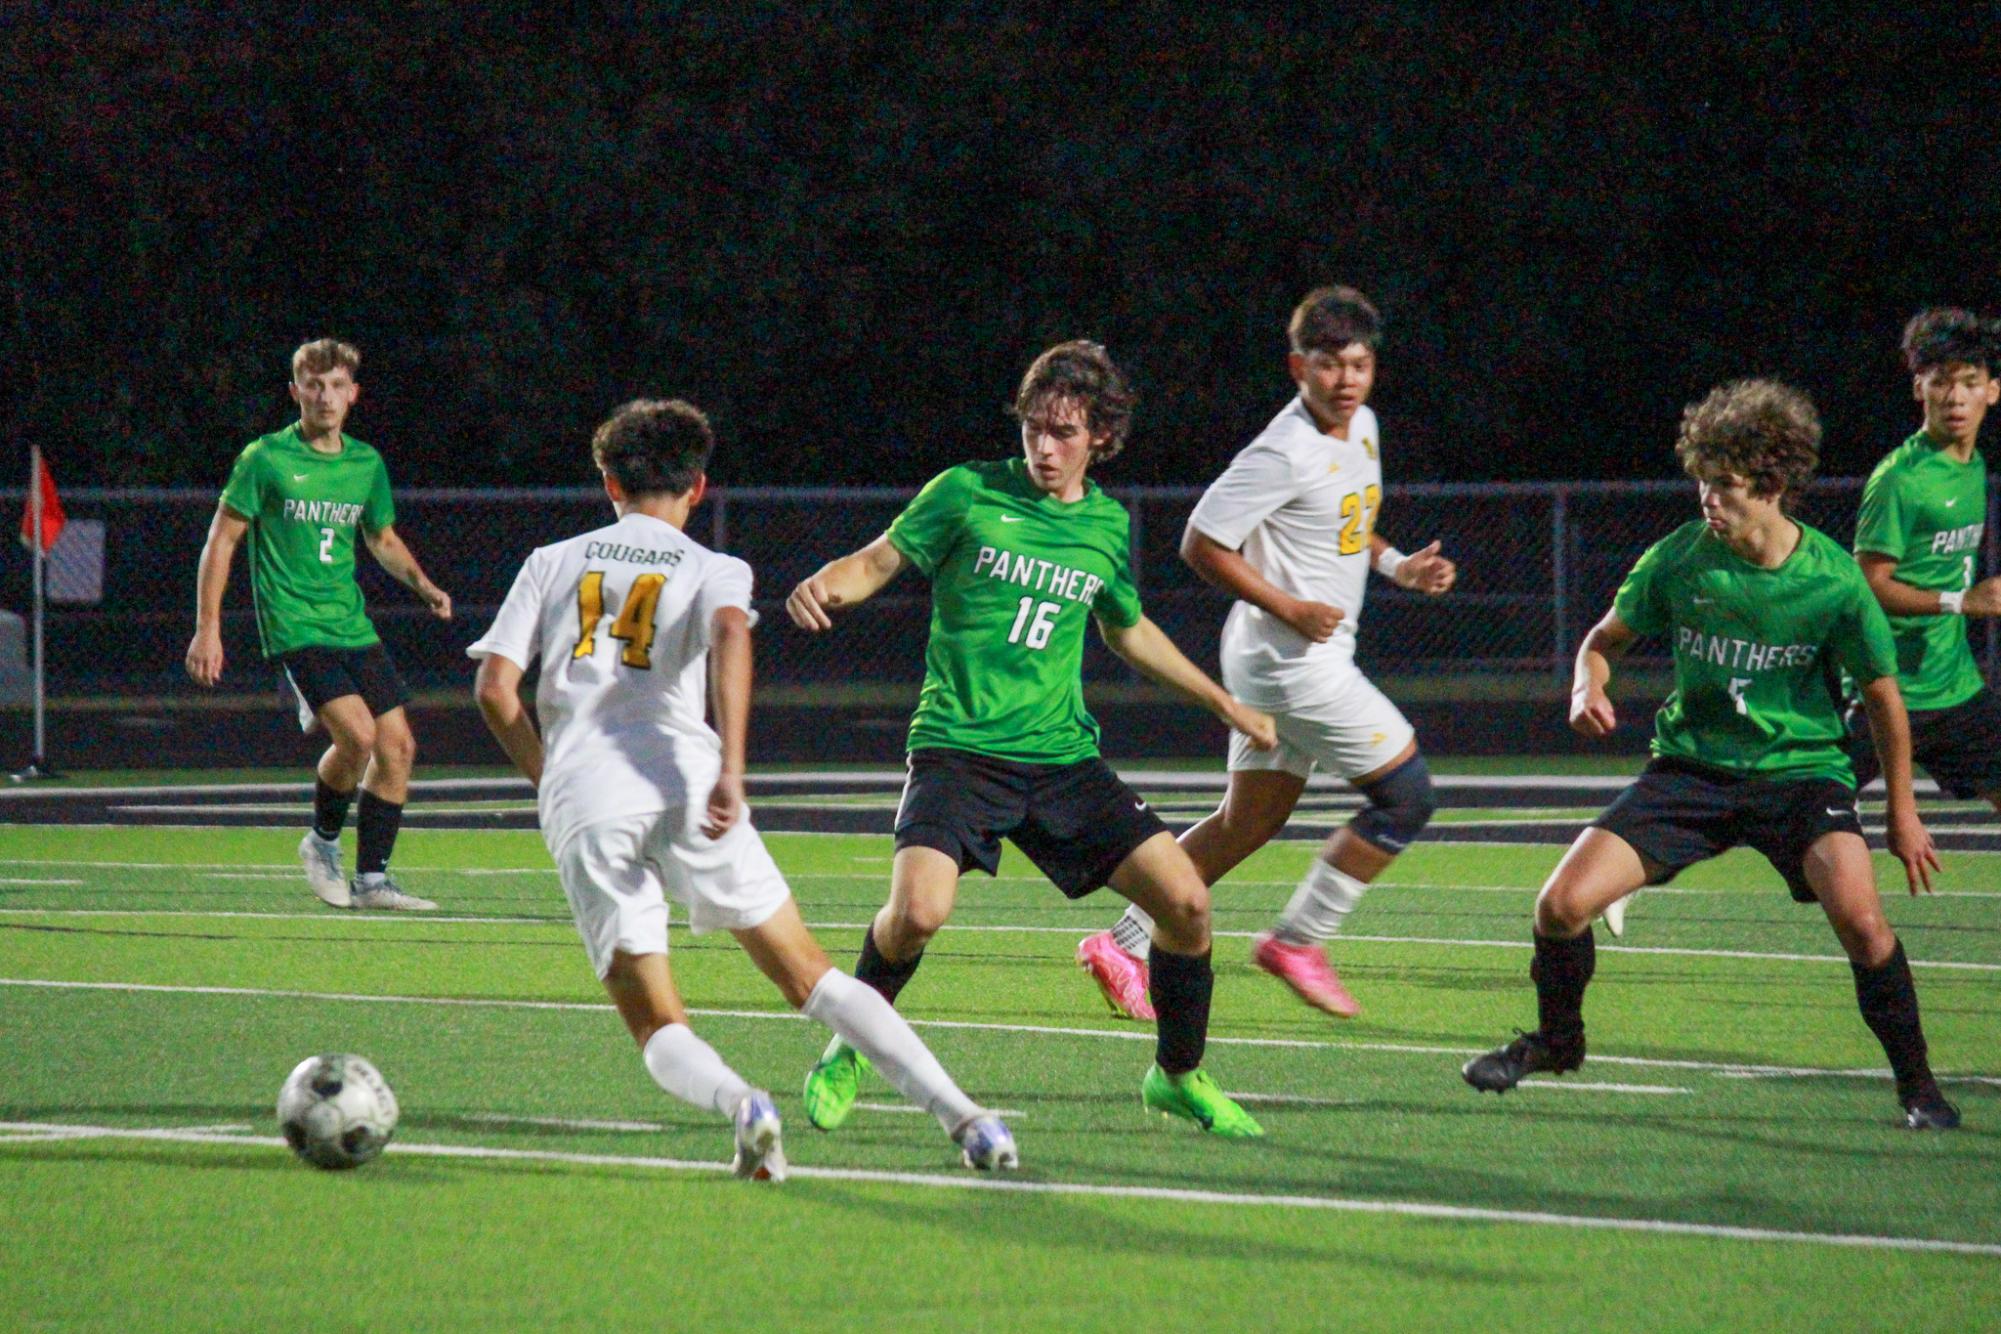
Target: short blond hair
[{"x": 322, "y": 355}]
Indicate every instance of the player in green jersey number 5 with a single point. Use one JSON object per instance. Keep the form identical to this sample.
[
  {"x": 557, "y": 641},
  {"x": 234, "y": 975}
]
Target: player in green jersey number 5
[
  {"x": 1762, "y": 614},
  {"x": 301, "y": 495},
  {"x": 1918, "y": 539},
  {"x": 1021, "y": 554}
]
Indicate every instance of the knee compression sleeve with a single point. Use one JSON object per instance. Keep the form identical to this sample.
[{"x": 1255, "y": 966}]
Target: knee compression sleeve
[{"x": 1400, "y": 805}]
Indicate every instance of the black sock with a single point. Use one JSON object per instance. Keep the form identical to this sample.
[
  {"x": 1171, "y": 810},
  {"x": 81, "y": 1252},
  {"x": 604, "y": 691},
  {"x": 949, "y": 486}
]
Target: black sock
[
  {"x": 1180, "y": 987},
  {"x": 329, "y": 809},
  {"x": 375, "y": 826},
  {"x": 886, "y": 977},
  {"x": 1889, "y": 1002},
  {"x": 1561, "y": 970}
]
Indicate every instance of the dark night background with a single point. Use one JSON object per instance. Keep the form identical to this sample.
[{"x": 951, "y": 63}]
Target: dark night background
[{"x": 845, "y": 230}]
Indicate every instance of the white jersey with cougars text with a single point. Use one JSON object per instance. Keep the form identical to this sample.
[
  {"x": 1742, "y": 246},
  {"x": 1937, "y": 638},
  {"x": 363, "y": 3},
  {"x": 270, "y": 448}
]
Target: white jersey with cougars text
[
  {"x": 619, "y": 620},
  {"x": 1300, "y": 504}
]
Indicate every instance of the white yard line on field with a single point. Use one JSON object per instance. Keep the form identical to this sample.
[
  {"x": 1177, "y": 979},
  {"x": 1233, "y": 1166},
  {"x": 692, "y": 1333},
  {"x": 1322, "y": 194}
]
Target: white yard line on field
[{"x": 1092, "y": 1190}]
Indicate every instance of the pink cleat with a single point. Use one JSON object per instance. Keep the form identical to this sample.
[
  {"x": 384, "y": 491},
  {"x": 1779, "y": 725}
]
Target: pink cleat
[
  {"x": 1304, "y": 968},
  {"x": 1119, "y": 976}
]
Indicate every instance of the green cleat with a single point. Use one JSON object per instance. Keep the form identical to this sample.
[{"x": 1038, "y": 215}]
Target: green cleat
[
  {"x": 1195, "y": 1097},
  {"x": 832, "y": 1084}
]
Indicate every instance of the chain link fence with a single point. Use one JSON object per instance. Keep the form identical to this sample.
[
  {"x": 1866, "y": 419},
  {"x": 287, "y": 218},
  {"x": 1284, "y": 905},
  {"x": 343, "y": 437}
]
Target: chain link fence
[{"x": 1538, "y": 563}]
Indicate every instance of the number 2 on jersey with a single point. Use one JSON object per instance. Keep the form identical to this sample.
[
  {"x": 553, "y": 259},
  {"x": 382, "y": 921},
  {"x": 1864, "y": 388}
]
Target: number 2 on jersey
[
  {"x": 633, "y": 624},
  {"x": 1359, "y": 509}
]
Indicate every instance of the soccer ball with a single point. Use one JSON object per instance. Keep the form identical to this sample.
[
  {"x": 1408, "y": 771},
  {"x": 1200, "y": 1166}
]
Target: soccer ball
[{"x": 336, "y": 1111}]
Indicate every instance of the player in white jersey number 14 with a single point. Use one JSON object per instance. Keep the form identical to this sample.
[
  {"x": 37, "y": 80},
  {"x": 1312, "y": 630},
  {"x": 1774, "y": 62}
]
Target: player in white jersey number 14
[
  {"x": 634, "y": 627},
  {"x": 1289, "y": 530}
]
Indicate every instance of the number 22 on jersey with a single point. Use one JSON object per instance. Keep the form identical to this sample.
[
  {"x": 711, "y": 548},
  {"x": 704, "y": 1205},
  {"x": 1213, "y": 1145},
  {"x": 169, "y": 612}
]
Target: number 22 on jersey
[{"x": 633, "y": 625}]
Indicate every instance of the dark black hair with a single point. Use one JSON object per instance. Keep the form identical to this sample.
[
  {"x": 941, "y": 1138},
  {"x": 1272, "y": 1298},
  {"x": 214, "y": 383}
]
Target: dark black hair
[
  {"x": 1944, "y": 335},
  {"x": 1330, "y": 318},
  {"x": 654, "y": 446}
]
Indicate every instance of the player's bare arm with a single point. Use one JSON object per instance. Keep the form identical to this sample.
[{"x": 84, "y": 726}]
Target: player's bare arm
[
  {"x": 855, "y": 577},
  {"x": 497, "y": 688},
  {"x": 1225, "y": 568},
  {"x": 1147, "y": 649},
  {"x": 1591, "y": 711},
  {"x": 1422, "y": 571},
  {"x": 729, "y": 701},
  {"x": 225, "y": 532},
  {"x": 1910, "y": 842},
  {"x": 393, "y": 556},
  {"x": 1901, "y": 599}
]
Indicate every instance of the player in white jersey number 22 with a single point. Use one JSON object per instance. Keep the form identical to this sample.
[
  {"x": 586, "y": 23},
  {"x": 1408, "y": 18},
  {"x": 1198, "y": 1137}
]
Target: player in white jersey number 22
[{"x": 1289, "y": 530}]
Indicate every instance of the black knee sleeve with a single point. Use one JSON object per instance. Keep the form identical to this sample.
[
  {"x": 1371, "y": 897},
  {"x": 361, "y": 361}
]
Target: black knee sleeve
[{"x": 1400, "y": 805}]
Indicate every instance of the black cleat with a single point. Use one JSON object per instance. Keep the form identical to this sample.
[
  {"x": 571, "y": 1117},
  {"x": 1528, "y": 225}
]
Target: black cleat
[
  {"x": 1530, "y": 1053},
  {"x": 1927, "y": 1109}
]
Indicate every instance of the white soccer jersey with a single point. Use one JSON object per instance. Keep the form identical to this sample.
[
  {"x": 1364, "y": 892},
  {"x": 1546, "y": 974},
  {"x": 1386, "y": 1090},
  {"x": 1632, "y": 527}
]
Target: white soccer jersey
[
  {"x": 1300, "y": 505},
  {"x": 619, "y": 620}
]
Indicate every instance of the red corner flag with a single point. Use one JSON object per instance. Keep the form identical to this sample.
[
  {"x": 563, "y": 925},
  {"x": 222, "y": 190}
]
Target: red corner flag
[{"x": 52, "y": 506}]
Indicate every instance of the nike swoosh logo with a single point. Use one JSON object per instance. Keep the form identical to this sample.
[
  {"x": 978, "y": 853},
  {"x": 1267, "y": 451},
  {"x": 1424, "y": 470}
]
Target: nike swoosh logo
[
  {"x": 1010, "y": 518},
  {"x": 298, "y": 477},
  {"x": 1139, "y": 805},
  {"x": 1950, "y": 503},
  {"x": 1702, "y": 602},
  {"x": 1836, "y": 810}
]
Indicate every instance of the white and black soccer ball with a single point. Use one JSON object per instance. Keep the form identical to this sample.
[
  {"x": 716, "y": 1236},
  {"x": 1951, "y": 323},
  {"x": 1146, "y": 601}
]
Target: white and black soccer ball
[{"x": 336, "y": 1111}]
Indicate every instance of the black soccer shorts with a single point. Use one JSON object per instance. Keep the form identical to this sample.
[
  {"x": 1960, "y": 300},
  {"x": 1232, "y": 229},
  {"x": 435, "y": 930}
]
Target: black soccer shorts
[
  {"x": 1680, "y": 813},
  {"x": 1076, "y": 822},
  {"x": 1959, "y": 747},
  {"x": 318, "y": 676}
]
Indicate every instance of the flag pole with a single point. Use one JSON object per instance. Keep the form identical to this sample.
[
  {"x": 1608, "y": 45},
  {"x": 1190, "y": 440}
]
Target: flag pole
[{"x": 38, "y": 765}]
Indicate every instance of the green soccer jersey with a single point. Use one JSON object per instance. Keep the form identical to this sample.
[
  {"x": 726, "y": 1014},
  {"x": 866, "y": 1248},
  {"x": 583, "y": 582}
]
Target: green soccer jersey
[
  {"x": 1015, "y": 575},
  {"x": 1758, "y": 654},
  {"x": 1928, "y": 511},
  {"x": 304, "y": 508}
]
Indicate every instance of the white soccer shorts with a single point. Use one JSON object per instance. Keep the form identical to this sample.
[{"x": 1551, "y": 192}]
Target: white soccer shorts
[
  {"x": 1354, "y": 731},
  {"x": 618, "y": 874}
]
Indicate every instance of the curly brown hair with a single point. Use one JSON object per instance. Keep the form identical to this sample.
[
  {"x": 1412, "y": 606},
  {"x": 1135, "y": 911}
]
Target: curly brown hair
[
  {"x": 1760, "y": 430},
  {"x": 1084, "y": 372}
]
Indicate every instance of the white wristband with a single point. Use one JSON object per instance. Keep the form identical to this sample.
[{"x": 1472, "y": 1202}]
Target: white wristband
[
  {"x": 1952, "y": 604},
  {"x": 1388, "y": 561}
]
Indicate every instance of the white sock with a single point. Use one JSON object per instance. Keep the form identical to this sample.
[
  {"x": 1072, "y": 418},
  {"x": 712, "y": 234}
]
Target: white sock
[
  {"x": 1133, "y": 933},
  {"x": 1322, "y": 902},
  {"x": 870, "y": 1025},
  {"x": 689, "y": 1068}
]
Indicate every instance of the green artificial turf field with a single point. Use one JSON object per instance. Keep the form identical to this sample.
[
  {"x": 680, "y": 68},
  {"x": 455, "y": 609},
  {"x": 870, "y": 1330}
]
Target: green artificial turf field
[{"x": 1730, "y": 1156}]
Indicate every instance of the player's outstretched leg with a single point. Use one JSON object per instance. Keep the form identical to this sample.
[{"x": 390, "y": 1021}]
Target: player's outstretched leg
[
  {"x": 1117, "y": 961},
  {"x": 690, "y": 1069},
  {"x": 873, "y": 1033},
  {"x": 1159, "y": 876}
]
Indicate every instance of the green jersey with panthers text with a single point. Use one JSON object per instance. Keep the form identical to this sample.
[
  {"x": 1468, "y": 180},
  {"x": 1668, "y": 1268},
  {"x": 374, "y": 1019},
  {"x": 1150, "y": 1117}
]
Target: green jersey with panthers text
[
  {"x": 1015, "y": 576},
  {"x": 1927, "y": 511},
  {"x": 1758, "y": 654},
  {"x": 304, "y": 509}
]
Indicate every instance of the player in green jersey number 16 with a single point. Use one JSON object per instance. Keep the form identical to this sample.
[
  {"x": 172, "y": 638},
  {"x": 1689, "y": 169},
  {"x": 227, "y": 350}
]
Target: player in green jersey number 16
[
  {"x": 1761, "y": 612},
  {"x": 1021, "y": 555},
  {"x": 302, "y": 496}
]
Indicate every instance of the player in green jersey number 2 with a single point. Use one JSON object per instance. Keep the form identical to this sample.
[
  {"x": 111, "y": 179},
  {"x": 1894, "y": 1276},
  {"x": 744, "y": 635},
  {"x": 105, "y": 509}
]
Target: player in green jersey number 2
[
  {"x": 1021, "y": 554},
  {"x": 301, "y": 495},
  {"x": 1763, "y": 614},
  {"x": 1918, "y": 539}
]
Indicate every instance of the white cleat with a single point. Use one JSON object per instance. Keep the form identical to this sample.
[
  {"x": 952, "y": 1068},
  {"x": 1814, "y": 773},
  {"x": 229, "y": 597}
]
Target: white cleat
[
  {"x": 759, "y": 1154},
  {"x": 987, "y": 1145},
  {"x": 321, "y": 859},
  {"x": 386, "y": 893},
  {"x": 1615, "y": 916}
]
